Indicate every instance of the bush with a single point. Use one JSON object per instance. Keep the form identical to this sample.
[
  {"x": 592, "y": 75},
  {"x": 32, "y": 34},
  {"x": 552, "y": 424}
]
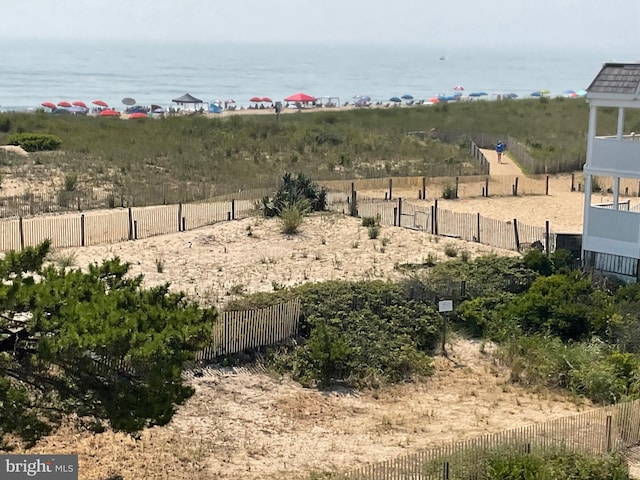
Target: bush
[
  {"x": 295, "y": 191},
  {"x": 370, "y": 221},
  {"x": 360, "y": 333},
  {"x": 373, "y": 231},
  {"x": 35, "y": 142},
  {"x": 291, "y": 218}
]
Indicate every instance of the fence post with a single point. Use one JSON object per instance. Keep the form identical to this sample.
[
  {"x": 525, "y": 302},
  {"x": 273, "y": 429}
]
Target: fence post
[
  {"x": 82, "y": 242},
  {"x": 515, "y": 188},
  {"x": 352, "y": 205},
  {"x": 433, "y": 223},
  {"x": 390, "y": 188},
  {"x": 21, "y": 231},
  {"x": 546, "y": 187},
  {"x": 164, "y": 194},
  {"x": 395, "y": 216},
  {"x": 445, "y": 472},
  {"x": 573, "y": 182},
  {"x": 179, "y": 217},
  {"x": 135, "y": 229},
  {"x": 130, "y": 224},
  {"x": 517, "y": 236},
  {"x": 486, "y": 187},
  {"x": 233, "y": 210},
  {"x": 457, "y": 182},
  {"x": 399, "y": 212},
  {"x": 608, "y": 433},
  {"x": 424, "y": 188},
  {"x": 435, "y": 217},
  {"x": 478, "y": 227},
  {"x": 184, "y": 224},
  {"x": 547, "y": 236}
]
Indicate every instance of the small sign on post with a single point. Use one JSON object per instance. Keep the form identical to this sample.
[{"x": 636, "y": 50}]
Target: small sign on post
[{"x": 444, "y": 306}]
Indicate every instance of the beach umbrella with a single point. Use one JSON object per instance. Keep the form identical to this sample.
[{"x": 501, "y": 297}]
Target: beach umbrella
[
  {"x": 61, "y": 111},
  {"x": 458, "y": 88},
  {"x": 128, "y": 101},
  {"x": 158, "y": 110},
  {"x": 138, "y": 115},
  {"x": 108, "y": 113},
  {"x": 100, "y": 103},
  {"x": 544, "y": 91},
  {"x": 64, "y": 104},
  {"x": 300, "y": 97},
  {"x": 230, "y": 100},
  {"x": 511, "y": 96},
  {"x": 581, "y": 92},
  {"x": 267, "y": 100},
  {"x": 79, "y": 104},
  {"x": 478, "y": 94},
  {"x": 50, "y": 105},
  {"x": 434, "y": 100},
  {"x": 256, "y": 99},
  {"x": 395, "y": 99},
  {"x": 568, "y": 92},
  {"x": 537, "y": 93},
  {"x": 406, "y": 96}
]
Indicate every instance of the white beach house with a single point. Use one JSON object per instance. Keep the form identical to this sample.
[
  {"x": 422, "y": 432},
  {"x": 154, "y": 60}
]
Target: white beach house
[{"x": 611, "y": 230}]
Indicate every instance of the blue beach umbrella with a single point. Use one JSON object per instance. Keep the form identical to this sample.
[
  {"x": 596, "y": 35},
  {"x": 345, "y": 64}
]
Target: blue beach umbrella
[
  {"x": 537, "y": 93},
  {"x": 395, "y": 99},
  {"x": 568, "y": 92},
  {"x": 478, "y": 94},
  {"x": 406, "y": 96}
]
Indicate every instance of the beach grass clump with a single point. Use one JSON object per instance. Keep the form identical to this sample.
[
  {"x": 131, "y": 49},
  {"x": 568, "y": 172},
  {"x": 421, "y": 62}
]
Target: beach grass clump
[{"x": 291, "y": 217}]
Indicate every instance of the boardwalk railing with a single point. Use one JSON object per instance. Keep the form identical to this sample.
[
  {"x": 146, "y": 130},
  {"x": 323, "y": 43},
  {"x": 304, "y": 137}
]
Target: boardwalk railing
[{"x": 596, "y": 432}]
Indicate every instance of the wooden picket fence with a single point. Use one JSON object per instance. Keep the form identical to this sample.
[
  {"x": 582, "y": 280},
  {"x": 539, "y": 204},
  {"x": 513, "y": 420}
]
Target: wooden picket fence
[
  {"x": 98, "y": 227},
  {"x": 242, "y": 330},
  {"x": 235, "y": 332},
  {"x": 600, "y": 431}
]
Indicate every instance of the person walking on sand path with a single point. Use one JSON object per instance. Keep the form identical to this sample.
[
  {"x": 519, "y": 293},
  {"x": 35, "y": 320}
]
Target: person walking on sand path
[{"x": 499, "y": 150}]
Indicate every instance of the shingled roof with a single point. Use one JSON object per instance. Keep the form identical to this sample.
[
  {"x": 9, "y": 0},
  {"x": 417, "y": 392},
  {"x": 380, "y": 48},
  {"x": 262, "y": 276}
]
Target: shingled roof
[{"x": 618, "y": 79}]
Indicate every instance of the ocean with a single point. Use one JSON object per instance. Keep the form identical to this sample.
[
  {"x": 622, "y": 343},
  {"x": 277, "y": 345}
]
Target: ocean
[{"x": 36, "y": 71}]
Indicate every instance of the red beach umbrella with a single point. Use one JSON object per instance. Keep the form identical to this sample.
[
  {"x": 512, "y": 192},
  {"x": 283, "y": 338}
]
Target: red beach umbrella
[
  {"x": 79, "y": 104},
  {"x": 138, "y": 115},
  {"x": 256, "y": 99},
  {"x": 64, "y": 104},
  {"x": 267, "y": 100},
  {"x": 300, "y": 97},
  {"x": 49, "y": 105},
  {"x": 458, "y": 88},
  {"x": 434, "y": 100},
  {"x": 109, "y": 113},
  {"x": 100, "y": 103}
]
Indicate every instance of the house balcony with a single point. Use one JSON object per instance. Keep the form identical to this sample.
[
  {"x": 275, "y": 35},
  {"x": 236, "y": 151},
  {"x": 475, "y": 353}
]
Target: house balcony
[
  {"x": 611, "y": 231},
  {"x": 613, "y": 157}
]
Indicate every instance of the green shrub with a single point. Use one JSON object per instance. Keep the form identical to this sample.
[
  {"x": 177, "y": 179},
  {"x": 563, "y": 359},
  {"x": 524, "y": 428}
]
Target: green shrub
[
  {"x": 35, "y": 142},
  {"x": 370, "y": 221},
  {"x": 538, "y": 262},
  {"x": 564, "y": 305},
  {"x": 295, "y": 191},
  {"x": 70, "y": 182},
  {"x": 373, "y": 231},
  {"x": 451, "y": 251},
  {"x": 291, "y": 217}
]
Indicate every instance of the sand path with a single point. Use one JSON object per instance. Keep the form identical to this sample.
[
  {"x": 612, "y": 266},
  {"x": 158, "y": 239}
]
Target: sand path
[{"x": 505, "y": 167}]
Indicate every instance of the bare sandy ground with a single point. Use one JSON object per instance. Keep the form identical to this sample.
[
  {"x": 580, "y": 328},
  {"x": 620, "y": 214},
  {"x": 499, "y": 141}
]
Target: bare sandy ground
[{"x": 254, "y": 426}]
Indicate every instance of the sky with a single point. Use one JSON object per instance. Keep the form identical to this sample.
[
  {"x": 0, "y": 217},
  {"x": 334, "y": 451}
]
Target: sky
[{"x": 603, "y": 25}]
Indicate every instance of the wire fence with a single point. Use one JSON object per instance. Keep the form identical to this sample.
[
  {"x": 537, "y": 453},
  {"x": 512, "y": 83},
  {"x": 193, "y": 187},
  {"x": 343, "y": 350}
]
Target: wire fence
[{"x": 601, "y": 431}]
